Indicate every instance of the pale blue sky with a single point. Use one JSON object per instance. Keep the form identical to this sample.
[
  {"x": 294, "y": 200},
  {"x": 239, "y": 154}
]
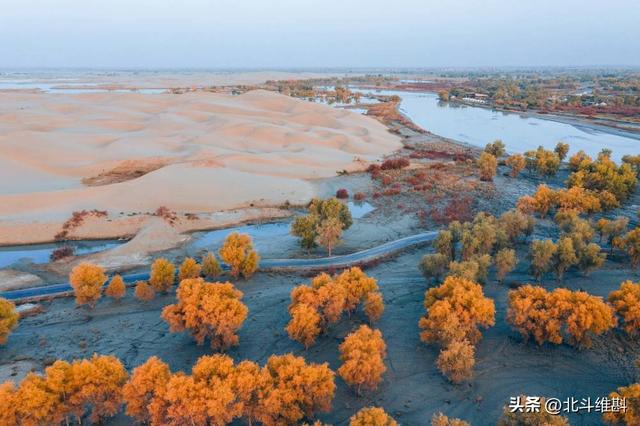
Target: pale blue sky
[{"x": 317, "y": 33}]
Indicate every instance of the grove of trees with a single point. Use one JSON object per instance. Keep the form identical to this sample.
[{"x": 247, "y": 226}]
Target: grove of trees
[
  {"x": 559, "y": 315},
  {"x": 314, "y": 308}
]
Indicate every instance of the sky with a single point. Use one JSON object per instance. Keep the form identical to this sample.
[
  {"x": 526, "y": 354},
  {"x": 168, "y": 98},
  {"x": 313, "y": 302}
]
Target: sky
[{"x": 219, "y": 34}]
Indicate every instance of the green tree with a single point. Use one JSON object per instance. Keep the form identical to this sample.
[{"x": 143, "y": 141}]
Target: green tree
[
  {"x": 434, "y": 266},
  {"x": 562, "y": 149},
  {"x": 506, "y": 261}
]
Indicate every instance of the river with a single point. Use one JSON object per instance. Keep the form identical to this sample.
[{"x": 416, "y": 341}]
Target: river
[{"x": 478, "y": 126}]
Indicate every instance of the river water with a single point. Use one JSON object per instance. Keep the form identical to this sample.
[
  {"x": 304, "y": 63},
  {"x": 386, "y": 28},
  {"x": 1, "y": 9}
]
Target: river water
[{"x": 479, "y": 126}]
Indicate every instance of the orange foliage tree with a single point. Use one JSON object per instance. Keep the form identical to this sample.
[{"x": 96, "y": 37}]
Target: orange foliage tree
[
  {"x": 67, "y": 391},
  {"x": 455, "y": 311},
  {"x": 296, "y": 390},
  {"x": 217, "y": 391},
  {"x": 314, "y": 308},
  {"x": 630, "y": 416},
  {"x": 87, "y": 281},
  {"x": 210, "y": 266},
  {"x": 237, "y": 252},
  {"x": 116, "y": 288},
  {"x": 362, "y": 354},
  {"x": 456, "y": 361},
  {"x": 626, "y": 302},
  {"x": 440, "y": 419},
  {"x": 162, "y": 275},
  {"x": 548, "y": 316},
  {"x": 143, "y": 390},
  {"x": 8, "y": 319},
  {"x": 144, "y": 292},
  {"x": 208, "y": 310},
  {"x": 189, "y": 269},
  {"x": 372, "y": 416}
]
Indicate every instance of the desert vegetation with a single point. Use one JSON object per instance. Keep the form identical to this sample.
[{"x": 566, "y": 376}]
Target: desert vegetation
[
  {"x": 8, "y": 319},
  {"x": 237, "y": 252},
  {"x": 316, "y": 307},
  {"x": 323, "y": 224},
  {"x": 455, "y": 311},
  {"x": 211, "y": 311}
]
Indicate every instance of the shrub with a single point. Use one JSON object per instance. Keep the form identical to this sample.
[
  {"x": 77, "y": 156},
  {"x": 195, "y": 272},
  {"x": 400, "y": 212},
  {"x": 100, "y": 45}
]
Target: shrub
[
  {"x": 87, "y": 281},
  {"x": 522, "y": 417},
  {"x": 116, "y": 288},
  {"x": 605, "y": 175},
  {"x": 506, "y": 261},
  {"x": 207, "y": 310},
  {"x": 359, "y": 196},
  {"x": 373, "y": 306},
  {"x": 456, "y": 361},
  {"x": 342, "y": 193},
  {"x": 362, "y": 354},
  {"x": 210, "y": 266},
  {"x": 162, "y": 275},
  {"x": 487, "y": 165},
  {"x": 8, "y": 404},
  {"x": 61, "y": 253},
  {"x": 372, "y": 416},
  {"x": 189, "y": 269},
  {"x": 434, "y": 266},
  {"x": 395, "y": 163},
  {"x": 629, "y": 416},
  {"x": 541, "y": 255},
  {"x": 626, "y": 302},
  {"x": 144, "y": 292},
  {"x": 517, "y": 163},
  {"x": 440, "y": 419},
  {"x": 496, "y": 148},
  {"x": 237, "y": 252},
  {"x": 8, "y": 319}
]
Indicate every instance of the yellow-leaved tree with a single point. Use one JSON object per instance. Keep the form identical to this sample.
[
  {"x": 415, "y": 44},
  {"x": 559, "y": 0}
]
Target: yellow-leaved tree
[
  {"x": 237, "y": 252},
  {"x": 208, "y": 310},
  {"x": 8, "y": 319},
  {"x": 87, "y": 280},
  {"x": 362, "y": 354}
]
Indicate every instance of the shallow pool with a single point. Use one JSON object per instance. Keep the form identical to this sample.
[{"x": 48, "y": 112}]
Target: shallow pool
[{"x": 41, "y": 253}]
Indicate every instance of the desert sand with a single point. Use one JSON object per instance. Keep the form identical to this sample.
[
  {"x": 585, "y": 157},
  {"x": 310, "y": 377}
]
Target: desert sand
[{"x": 130, "y": 153}]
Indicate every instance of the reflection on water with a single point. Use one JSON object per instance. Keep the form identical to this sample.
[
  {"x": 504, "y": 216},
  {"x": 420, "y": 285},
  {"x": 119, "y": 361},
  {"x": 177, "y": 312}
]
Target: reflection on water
[
  {"x": 261, "y": 234},
  {"x": 359, "y": 208},
  {"x": 266, "y": 234},
  {"x": 40, "y": 253},
  {"x": 478, "y": 126}
]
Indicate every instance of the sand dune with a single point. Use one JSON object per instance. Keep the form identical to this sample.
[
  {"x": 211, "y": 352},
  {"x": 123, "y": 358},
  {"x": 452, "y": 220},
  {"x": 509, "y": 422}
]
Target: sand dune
[{"x": 61, "y": 152}]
